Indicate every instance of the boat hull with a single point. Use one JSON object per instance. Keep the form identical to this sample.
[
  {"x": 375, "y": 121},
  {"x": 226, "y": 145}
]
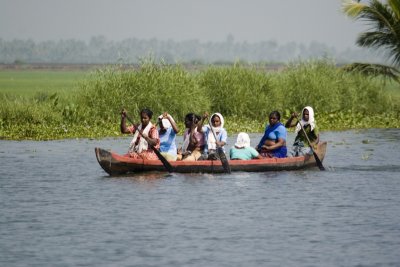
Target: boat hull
[{"x": 115, "y": 164}]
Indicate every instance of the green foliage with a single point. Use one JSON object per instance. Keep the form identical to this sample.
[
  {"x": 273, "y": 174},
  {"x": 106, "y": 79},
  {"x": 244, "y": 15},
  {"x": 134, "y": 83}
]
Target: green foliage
[
  {"x": 158, "y": 87},
  {"x": 238, "y": 91},
  {"x": 244, "y": 95},
  {"x": 326, "y": 88},
  {"x": 344, "y": 120}
]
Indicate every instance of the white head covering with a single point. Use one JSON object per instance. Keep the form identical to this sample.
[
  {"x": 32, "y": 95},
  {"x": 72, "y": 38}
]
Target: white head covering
[
  {"x": 165, "y": 122},
  {"x": 220, "y": 117},
  {"x": 243, "y": 140},
  {"x": 310, "y": 121},
  {"x": 211, "y": 142}
]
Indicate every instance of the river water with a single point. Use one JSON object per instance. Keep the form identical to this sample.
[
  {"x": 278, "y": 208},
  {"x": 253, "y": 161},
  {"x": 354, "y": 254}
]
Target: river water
[{"x": 59, "y": 208}]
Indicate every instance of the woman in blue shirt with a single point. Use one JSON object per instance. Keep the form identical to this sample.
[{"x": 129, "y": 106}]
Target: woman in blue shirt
[
  {"x": 167, "y": 132},
  {"x": 273, "y": 142}
]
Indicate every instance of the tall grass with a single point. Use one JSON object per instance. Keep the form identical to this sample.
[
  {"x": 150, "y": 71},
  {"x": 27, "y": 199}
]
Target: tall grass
[
  {"x": 160, "y": 88},
  {"x": 329, "y": 89},
  {"x": 245, "y": 96},
  {"x": 239, "y": 91}
]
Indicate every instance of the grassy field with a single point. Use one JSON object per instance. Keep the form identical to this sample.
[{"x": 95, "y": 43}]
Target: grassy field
[{"x": 30, "y": 82}]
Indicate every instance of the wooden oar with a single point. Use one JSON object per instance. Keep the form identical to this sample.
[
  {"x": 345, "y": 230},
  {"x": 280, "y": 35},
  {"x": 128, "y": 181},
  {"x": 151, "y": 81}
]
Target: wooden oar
[
  {"x": 164, "y": 161},
  {"x": 317, "y": 160},
  {"x": 221, "y": 154}
]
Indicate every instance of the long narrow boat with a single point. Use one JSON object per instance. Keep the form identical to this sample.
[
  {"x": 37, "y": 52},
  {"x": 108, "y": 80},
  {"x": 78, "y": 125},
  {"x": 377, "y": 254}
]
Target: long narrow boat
[{"x": 115, "y": 164}]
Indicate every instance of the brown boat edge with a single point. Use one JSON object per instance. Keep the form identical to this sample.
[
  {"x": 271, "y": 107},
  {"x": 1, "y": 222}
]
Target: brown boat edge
[{"x": 116, "y": 164}]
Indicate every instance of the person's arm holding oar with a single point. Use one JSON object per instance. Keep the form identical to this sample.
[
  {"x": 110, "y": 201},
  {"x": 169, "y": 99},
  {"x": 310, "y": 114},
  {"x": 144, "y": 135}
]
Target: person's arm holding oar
[
  {"x": 317, "y": 160},
  {"x": 123, "y": 127},
  {"x": 290, "y": 123},
  {"x": 151, "y": 141},
  {"x": 201, "y": 122}
]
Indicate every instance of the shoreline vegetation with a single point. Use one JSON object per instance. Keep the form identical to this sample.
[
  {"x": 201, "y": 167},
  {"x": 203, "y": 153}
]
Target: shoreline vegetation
[{"x": 86, "y": 103}]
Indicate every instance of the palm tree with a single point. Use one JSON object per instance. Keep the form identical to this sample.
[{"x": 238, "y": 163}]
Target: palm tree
[{"x": 384, "y": 33}]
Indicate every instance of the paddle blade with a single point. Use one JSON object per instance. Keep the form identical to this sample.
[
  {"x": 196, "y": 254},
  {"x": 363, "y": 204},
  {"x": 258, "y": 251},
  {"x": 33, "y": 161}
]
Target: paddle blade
[
  {"x": 224, "y": 160},
  {"x": 164, "y": 161},
  {"x": 318, "y": 161}
]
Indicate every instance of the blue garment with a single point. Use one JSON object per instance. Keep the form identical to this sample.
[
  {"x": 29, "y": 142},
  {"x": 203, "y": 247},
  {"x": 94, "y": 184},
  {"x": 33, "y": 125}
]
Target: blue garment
[
  {"x": 167, "y": 141},
  {"x": 222, "y": 136},
  {"x": 274, "y": 133}
]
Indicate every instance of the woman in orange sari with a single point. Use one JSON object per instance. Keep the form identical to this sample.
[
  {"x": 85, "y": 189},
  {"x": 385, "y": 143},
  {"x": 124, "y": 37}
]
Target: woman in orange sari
[{"x": 145, "y": 135}]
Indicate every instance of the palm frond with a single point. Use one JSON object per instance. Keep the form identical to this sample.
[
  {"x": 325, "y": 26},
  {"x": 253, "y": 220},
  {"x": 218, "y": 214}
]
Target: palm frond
[
  {"x": 351, "y": 8},
  {"x": 395, "y": 6},
  {"x": 378, "y": 15},
  {"x": 374, "y": 39},
  {"x": 395, "y": 56},
  {"x": 384, "y": 19},
  {"x": 374, "y": 70}
]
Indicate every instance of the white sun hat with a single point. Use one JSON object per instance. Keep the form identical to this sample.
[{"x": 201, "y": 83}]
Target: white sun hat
[{"x": 243, "y": 140}]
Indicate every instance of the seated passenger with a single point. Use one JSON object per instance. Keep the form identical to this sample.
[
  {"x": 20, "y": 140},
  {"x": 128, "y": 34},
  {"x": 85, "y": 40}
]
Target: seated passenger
[
  {"x": 273, "y": 142},
  {"x": 242, "y": 149}
]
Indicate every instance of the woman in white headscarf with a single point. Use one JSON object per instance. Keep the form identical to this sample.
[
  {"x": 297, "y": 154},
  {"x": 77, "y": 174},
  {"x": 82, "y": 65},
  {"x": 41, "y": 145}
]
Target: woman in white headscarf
[
  {"x": 211, "y": 144},
  {"x": 167, "y": 131},
  {"x": 301, "y": 145}
]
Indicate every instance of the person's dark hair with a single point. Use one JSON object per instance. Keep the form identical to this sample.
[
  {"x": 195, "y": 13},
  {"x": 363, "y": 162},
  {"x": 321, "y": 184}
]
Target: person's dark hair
[
  {"x": 198, "y": 118},
  {"x": 193, "y": 117},
  {"x": 276, "y": 114},
  {"x": 147, "y": 111}
]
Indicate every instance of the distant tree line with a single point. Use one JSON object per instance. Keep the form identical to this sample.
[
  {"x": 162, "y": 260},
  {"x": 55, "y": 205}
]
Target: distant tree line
[{"x": 99, "y": 50}]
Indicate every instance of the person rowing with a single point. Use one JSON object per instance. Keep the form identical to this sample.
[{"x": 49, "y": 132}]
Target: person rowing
[{"x": 144, "y": 135}]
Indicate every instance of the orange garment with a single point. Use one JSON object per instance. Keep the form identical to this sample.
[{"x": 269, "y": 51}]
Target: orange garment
[{"x": 149, "y": 153}]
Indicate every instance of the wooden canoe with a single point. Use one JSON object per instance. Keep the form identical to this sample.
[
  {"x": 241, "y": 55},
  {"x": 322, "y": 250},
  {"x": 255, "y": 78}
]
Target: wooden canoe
[{"x": 115, "y": 164}]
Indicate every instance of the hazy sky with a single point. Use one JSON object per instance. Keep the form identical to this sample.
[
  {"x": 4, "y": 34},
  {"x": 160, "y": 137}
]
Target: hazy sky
[{"x": 284, "y": 21}]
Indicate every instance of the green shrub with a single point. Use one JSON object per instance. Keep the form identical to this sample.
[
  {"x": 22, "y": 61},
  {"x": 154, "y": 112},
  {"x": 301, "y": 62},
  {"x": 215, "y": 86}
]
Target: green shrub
[{"x": 244, "y": 95}]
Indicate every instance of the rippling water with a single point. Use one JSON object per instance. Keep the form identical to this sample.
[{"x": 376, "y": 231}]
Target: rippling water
[{"x": 59, "y": 208}]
